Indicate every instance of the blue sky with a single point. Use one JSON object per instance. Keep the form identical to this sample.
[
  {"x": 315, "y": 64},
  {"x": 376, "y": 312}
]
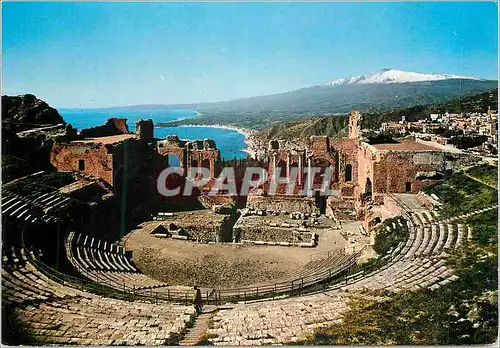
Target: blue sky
[{"x": 108, "y": 54}]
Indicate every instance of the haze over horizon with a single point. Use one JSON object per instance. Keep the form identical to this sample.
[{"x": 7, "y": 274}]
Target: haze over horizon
[{"x": 112, "y": 54}]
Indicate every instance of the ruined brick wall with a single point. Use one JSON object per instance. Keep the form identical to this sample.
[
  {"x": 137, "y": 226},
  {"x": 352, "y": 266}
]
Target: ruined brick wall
[
  {"x": 394, "y": 170},
  {"x": 340, "y": 207},
  {"x": 207, "y": 158},
  {"x": 272, "y": 234},
  {"x": 320, "y": 154},
  {"x": 145, "y": 130},
  {"x": 348, "y": 155},
  {"x": 286, "y": 159},
  {"x": 128, "y": 162},
  {"x": 282, "y": 203},
  {"x": 218, "y": 228},
  {"x": 209, "y": 201},
  {"x": 318, "y": 146},
  {"x": 96, "y": 159},
  {"x": 197, "y": 153},
  {"x": 366, "y": 159},
  {"x": 129, "y": 158},
  {"x": 113, "y": 126}
]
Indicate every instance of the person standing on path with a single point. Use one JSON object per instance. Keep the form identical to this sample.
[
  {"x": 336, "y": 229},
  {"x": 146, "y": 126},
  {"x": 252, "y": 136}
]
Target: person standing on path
[{"x": 197, "y": 300}]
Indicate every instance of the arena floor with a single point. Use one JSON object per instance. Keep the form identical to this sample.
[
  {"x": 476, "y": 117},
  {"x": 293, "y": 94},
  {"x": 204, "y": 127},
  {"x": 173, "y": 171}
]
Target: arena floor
[{"x": 180, "y": 262}]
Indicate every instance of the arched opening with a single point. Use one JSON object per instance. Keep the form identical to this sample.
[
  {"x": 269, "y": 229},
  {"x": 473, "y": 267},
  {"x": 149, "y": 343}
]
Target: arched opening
[
  {"x": 348, "y": 173},
  {"x": 282, "y": 168},
  {"x": 194, "y": 163},
  {"x": 368, "y": 190},
  {"x": 173, "y": 160}
]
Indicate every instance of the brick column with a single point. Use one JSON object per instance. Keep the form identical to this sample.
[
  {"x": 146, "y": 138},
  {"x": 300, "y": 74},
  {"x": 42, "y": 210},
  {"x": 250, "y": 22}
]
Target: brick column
[
  {"x": 309, "y": 177},
  {"x": 288, "y": 166},
  {"x": 274, "y": 167},
  {"x": 301, "y": 170}
]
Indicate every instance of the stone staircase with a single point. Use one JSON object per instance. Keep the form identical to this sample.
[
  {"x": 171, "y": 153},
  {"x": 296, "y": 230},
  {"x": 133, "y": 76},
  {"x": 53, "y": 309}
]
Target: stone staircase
[{"x": 201, "y": 324}]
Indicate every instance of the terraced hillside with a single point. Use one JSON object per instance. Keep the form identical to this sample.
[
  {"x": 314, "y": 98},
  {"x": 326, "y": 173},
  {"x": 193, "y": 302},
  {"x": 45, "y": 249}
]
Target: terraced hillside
[{"x": 336, "y": 126}]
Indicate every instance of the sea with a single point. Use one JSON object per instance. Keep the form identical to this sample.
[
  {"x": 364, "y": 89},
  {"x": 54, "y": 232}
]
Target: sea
[{"x": 230, "y": 142}]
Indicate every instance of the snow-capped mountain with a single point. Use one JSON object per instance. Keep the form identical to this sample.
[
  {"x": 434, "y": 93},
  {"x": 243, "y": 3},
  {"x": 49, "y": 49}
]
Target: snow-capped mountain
[
  {"x": 395, "y": 76},
  {"x": 384, "y": 90}
]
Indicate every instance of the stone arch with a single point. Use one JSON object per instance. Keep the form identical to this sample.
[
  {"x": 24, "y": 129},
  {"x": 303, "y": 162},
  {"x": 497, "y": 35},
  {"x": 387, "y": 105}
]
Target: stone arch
[
  {"x": 170, "y": 150},
  {"x": 173, "y": 160}
]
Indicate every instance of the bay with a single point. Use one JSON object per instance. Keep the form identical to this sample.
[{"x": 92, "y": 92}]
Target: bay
[{"x": 230, "y": 142}]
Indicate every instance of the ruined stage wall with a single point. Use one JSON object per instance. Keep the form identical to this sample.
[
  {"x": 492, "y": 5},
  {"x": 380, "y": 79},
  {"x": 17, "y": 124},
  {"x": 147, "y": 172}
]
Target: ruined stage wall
[
  {"x": 393, "y": 170},
  {"x": 282, "y": 203},
  {"x": 98, "y": 162}
]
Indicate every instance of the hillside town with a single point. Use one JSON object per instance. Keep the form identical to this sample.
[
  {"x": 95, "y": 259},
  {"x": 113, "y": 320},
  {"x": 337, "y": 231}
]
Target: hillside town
[{"x": 475, "y": 133}]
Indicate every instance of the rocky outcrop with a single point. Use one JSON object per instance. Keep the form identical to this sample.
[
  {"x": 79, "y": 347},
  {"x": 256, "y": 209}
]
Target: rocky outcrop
[
  {"x": 29, "y": 129},
  {"x": 26, "y": 111}
]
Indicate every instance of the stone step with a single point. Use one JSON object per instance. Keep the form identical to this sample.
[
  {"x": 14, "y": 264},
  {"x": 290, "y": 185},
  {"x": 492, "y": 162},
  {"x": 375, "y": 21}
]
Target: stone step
[{"x": 195, "y": 333}]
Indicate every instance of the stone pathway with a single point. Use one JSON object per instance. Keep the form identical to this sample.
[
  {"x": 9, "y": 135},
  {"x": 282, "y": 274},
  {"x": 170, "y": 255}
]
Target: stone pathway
[{"x": 200, "y": 327}]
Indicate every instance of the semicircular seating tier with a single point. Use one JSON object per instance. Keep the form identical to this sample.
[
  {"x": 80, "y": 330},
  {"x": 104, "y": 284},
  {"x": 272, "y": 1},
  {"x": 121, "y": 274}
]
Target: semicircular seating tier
[
  {"x": 61, "y": 309},
  {"x": 417, "y": 263},
  {"x": 106, "y": 263},
  {"x": 61, "y": 314}
]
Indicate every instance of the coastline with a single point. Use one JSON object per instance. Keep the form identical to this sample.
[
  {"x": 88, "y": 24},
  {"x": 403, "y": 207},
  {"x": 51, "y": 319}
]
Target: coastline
[
  {"x": 182, "y": 118},
  {"x": 244, "y": 131}
]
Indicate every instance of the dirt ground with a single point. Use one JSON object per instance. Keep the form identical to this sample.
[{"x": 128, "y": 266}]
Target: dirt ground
[{"x": 179, "y": 262}]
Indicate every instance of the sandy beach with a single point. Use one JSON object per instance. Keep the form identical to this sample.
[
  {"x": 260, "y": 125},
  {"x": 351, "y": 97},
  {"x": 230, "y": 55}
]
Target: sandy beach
[{"x": 245, "y": 132}]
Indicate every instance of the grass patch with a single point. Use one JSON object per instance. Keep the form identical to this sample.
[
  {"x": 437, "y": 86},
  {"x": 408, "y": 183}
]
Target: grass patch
[
  {"x": 485, "y": 173},
  {"x": 461, "y": 194},
  {"x": 389, "y": 234}
]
